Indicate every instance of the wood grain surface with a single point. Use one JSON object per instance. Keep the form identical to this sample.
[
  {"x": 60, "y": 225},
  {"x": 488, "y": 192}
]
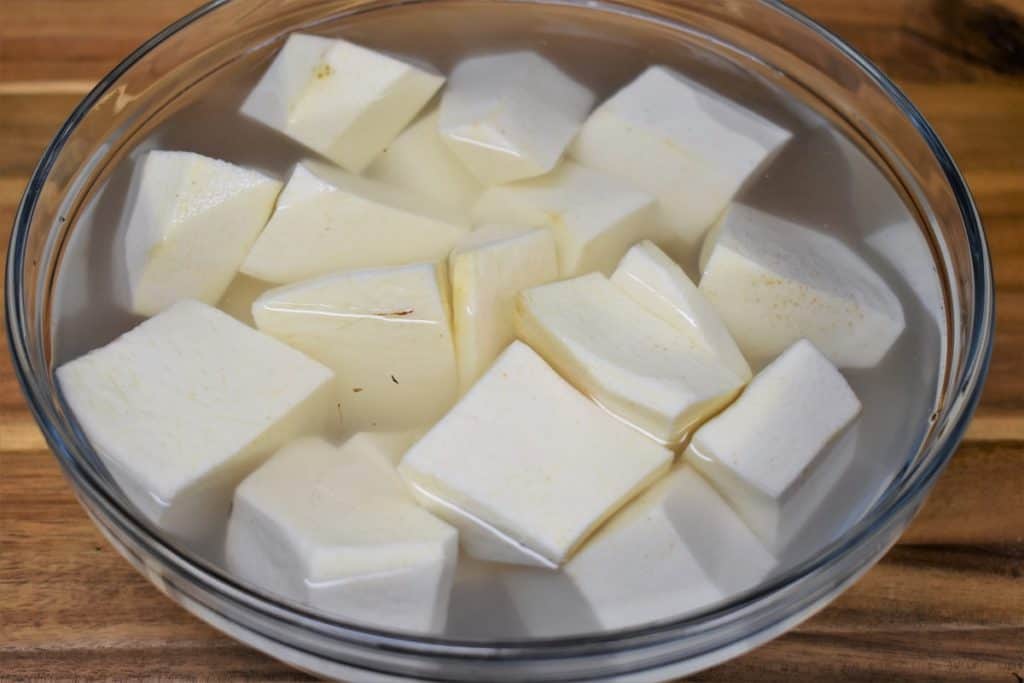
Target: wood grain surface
[{"x": 946, "y": 604}]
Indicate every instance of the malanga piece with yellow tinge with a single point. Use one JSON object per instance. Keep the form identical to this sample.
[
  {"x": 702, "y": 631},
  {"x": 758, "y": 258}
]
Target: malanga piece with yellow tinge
[
  {"x": 489, "y": 268},
  {"x": 682, "y": 142},
  {"x": 527, "y": 467},
  {"x": 339, "y": 99},
  {"x": 762, "y": 449},
  {"x": 774, "y": 282},
  {"x": 594, "y": 217},
  {"x": 188, "y": 403},
  {"x": 510, "y": 116},
  {"x": 638, "y": 366},
  {"x": 329, "y": 220},
  {"x": 335, "y": 528},
  {"x": 386, "y": 333},
  {"x": 191, "y": 222}
]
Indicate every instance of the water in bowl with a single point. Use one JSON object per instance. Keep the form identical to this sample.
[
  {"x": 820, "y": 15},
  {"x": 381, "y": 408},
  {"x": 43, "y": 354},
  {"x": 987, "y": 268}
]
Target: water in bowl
[{"x": 821, "y": 179}]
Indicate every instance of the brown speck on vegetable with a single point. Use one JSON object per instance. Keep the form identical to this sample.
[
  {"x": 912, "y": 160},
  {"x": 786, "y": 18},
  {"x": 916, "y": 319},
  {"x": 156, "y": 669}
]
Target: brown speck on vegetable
[
  {"x": 323, "y": 71},
  {"x": 356, "y": 390},
  {"x": 394, "y": 379},
  {"x": 396, "y": 314}
]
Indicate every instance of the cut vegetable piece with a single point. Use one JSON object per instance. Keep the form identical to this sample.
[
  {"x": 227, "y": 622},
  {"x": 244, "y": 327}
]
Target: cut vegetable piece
[
  {"x": 630, "y": 361},
  {"x": 336, "y": 529},
  {"x": 239, "y": 297},
  {"x": 595, "y": 218},
  {"x": 511, "y": 116},
  {"x": 339, "y": 99},
  {"x": 525, "y": 466},
  {"x": 385, "y": 332},
  {"x": 188, "y": 403},
  {"x": 677, "y": 548},
  {"x": 389, "y": 445},
  {"x": 192, "y": 221},
  {"x": 682, "y": 142},
  {"x": 328, "y": 220},
  {"x": 775, "y": 282},
  {"x": 420, "y": 161},
  {"x": 761, "y": 450},
  {"x": 658, "y": 284},
  {"x": 488, "y": 270},
  {"x": 904, "y": 248}
]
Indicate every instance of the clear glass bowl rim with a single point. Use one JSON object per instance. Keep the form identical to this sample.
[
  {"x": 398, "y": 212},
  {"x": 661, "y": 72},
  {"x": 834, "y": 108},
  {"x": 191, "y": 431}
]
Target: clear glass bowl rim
[{"x": 896, "y": 500}]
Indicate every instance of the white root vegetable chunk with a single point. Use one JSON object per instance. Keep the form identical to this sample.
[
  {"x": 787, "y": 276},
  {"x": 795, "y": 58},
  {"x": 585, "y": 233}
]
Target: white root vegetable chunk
[
  {"x": 633, "y": 363},
  {"x": 187, "y": 404},
  {"x": 329, "y": 220},
  {"x": 388, "y": 445},
  {"x": 760, "y": 450},
  {"x": 511, "y": 116},
  {"x": 682, "y": 142},
  {"x": 339, "y": 99},
  {"x": 488, "y": 269},
  {"x": 386, "y": 333},
  {"x": 239, "y": 297},
  {"x": 335, "y": 528},
  {"x": 774, "y": 282},
  {"x": 192, "y": 221},
  {"x": 657, "y": 283},
  {"x": 594, "y": 217},
  {"x": 677, "y": 548},
  {"x": 419, "y": 160},
  {"x": 526, "y": 467}
]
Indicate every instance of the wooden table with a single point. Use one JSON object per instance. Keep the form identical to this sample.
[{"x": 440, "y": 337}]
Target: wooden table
[{"x": 946, "y": 604}]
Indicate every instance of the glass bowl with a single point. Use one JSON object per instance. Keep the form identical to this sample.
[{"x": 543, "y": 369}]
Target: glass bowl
[{"x": 763, "y": 37}]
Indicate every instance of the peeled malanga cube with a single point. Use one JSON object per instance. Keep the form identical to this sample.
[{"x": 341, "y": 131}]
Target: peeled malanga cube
[
  {"x": 385, "y": 332},
  {"x": 677, "y": 548},
  {"x": 527, "y": 467},
  {"x": 774, "y": 282},
  {"x": 762, "y": 450},
  {"x": 682, "y": 142},
  {"x": 511, "y": 115},
  {"x": 633, "y": 363},
  {"x": 191, "y": 222},
  {"x": 335, "y": 528},
  {"x": 184, "y": 406},
  {"x": 594, "y": 217},
  {"x": 339, "y": 99},
  {"x": 328, "y": 220},
  {"x": 488, "y": 269}
]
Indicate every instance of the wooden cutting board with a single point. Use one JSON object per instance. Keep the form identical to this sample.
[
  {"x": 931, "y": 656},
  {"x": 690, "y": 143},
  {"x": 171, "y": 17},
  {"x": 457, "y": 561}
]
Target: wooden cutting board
[{"x": 947, "y": 603}]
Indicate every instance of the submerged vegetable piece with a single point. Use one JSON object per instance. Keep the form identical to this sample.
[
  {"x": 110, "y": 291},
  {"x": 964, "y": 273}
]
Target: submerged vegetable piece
[
  {"x": 328, "y": 220},
  {"x": 762, "y": 449},
  {"x": 388, "y": 445},
  {"x": 339, "y": 99},
  {"x": 525, "y": 466},
  {"x": 682, "y": 142},
  {"x": 511, "y": 116},
  {"x": 658, "y": 284},
  {"x": 488, "y": 269},
  {"x": 633, "y": 363},
  {"x": 335, "y": 528},
  {"x": 420, "y": 161},
  {"x": 185, "y": 405},
  {"x": 594, "y": 217},
  {"x": 239, "y": 297},
  {"x": 775, "y": 282},
  {"x": 677, "y": 548},
  {"x": 385, "y": 332},
  {"x": 191, "y": 223}
]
